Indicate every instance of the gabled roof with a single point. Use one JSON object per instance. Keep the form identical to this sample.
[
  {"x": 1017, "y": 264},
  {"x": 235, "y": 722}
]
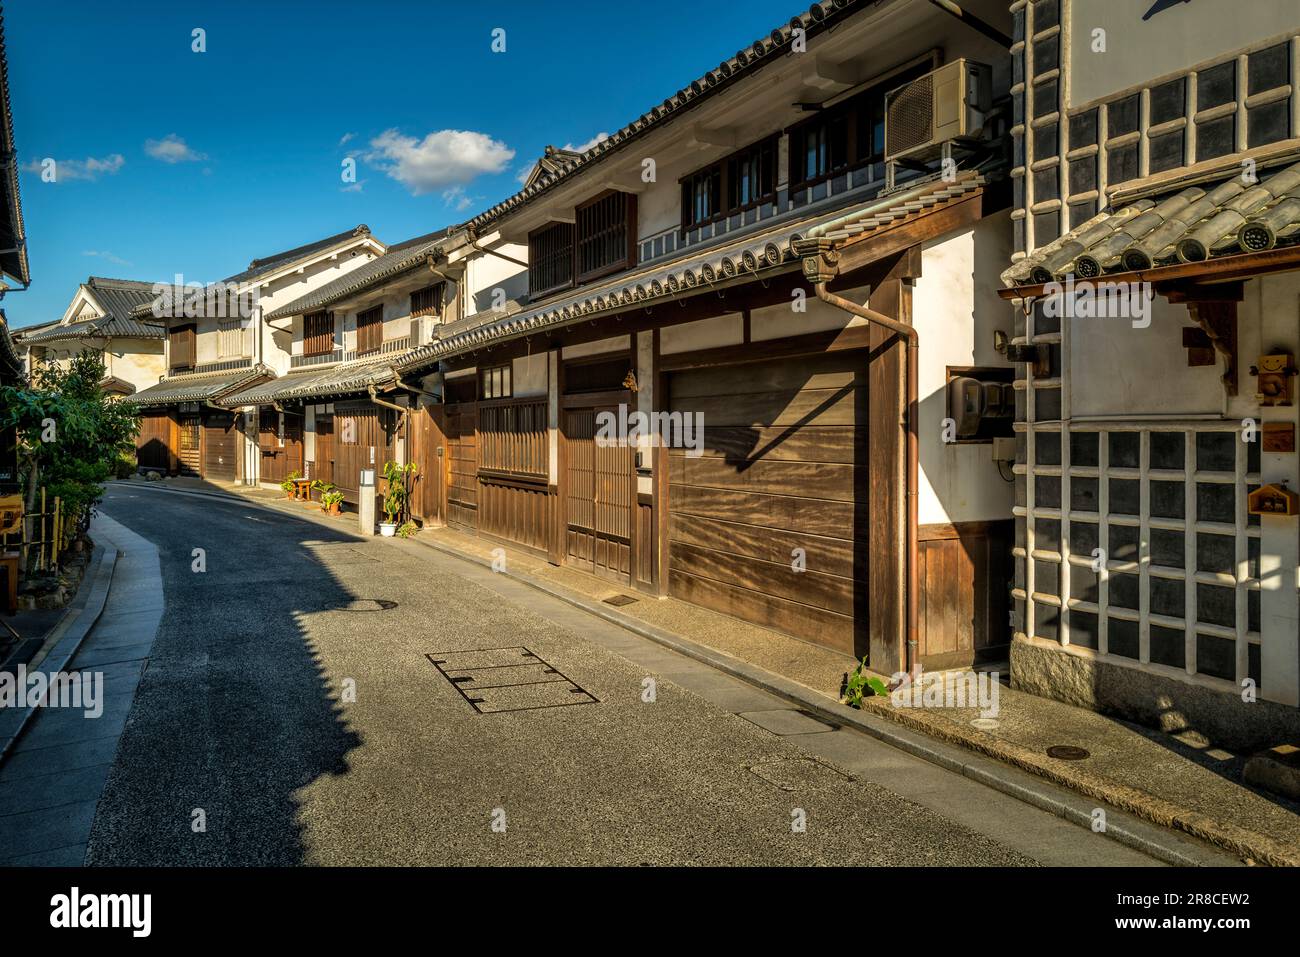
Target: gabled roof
[
  {"x": 766, "y": 49},
  {"x": 1194, "y": 225},
  {"x": 553, "y": 161},
  {"x": 12, "y": 232},
  {"x": 398, "y": 259},
  {"x": 267, "y": 264},
  {"x": 313, "y": 384},
  {"x": 120, "y": 301},
  {"x": 765, "y": 253},
  {"x": 198, "y": 386}
]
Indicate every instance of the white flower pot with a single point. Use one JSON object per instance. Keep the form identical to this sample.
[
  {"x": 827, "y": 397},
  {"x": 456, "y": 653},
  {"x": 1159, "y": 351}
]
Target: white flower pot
[{"x": 387, "y": 529}]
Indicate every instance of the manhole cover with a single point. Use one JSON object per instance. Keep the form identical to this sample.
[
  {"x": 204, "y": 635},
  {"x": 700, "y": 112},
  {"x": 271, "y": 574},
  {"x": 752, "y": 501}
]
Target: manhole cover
[
  {"x": 494, "y": 680},
  {"x": 1067, "y": 752},
  {"x": 620, "y": 600},
  {"x": 369, "y": 604}
]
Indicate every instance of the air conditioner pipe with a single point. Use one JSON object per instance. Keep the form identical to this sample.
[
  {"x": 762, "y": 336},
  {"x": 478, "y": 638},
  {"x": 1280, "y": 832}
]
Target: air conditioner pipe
[{"x": 911, "y": 344}]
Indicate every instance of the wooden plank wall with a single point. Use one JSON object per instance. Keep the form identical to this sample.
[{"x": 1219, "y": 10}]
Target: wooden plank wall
[
  {"x": 964, "y": 574},
  {"x": 154, "y": 449},
  {"x": 461, "y": 470},
  {"x": 278, "y": 462}
]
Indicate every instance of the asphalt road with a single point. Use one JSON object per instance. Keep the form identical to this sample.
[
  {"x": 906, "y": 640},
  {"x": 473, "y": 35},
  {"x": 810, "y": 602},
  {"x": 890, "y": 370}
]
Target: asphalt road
[{"x": 287, "y": 715}]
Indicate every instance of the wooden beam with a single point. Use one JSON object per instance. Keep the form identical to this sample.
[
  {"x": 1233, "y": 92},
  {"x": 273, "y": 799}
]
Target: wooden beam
[
  {"x": 910, "y": 231},
  {"x": 1219, "y": 269}
]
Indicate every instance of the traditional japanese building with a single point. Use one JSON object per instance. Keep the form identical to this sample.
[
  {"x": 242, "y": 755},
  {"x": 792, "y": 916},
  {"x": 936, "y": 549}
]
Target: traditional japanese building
[
  {"x": 100, "y": 319},
  {"x": 218, "y": 341},
  {"x": 1157, "y": 316},
  {"x": 789, "y": 267}
]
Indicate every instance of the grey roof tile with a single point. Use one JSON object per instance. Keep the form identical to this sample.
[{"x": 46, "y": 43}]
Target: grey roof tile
[
  {"x": 198, "y": 386},
  {"x": 1192, "y": 225},
  {"x": 397, "y": 259},
  {"x": 320, "y": 383}
]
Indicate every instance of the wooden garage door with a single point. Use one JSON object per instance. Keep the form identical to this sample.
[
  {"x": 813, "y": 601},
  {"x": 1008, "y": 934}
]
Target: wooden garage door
[
  {"x": 220, "y": 446},
  {"x": 769, "y": 522},
  {"x": 601, "y": 490},
  {"x": 189, "y": 451},
  {"x": 281, "y": 455},
  {"x": 154, "y": 442},
  {"x": 363, "y": 438}
]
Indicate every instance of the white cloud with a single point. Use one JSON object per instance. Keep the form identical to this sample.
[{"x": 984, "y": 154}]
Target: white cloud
[
  {"x": 583, "y": 147},
  {"x": 456, "y": 196},
  {"x": 443, "y": 159},
  {"x": 90, "y": 168},
  {"x": 345, "y": 137},
  {"x": 171, "y": 149},
  {"x": 107, "y": 257}
]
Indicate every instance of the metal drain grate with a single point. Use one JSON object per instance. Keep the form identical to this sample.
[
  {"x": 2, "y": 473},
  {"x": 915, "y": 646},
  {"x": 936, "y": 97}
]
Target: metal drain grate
[
  {"x": 620, "y": 600},
  {"x": 494, "y": 680}
]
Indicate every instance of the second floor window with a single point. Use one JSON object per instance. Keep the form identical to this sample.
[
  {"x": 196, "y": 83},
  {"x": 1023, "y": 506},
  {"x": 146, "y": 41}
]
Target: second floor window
[
  {"x": 427, "y": 301},
  {"x": 848, "y": 135},
  {"x": 181, "y": 347},
  {"x": 232, "y": 339},
  {"x": 317, "y": 333},
  {"x": 370, "y": 330},
  {"x": 734, "y": 184},
  {"x": 550, "y": 258},
  {"x": 606, "y": 235}
]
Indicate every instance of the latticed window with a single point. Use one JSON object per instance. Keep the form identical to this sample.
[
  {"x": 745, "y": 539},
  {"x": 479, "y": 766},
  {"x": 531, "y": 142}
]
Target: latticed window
[
  {"x": 606, "y": 232},
  {"x": 370, "y": 330},
  {"x": 232, "y": 339},
  {"x": 181, "y": 346},
  {"x": 550, "y": 258},
  {"x": 318, "y": 333},
  {"x": 427, "y": 301}
]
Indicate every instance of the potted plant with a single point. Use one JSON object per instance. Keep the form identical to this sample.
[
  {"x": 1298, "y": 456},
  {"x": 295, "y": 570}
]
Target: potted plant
[
  {"x": 288, "y": 487},
  {"x": 395, "y": 495},
  {"x": 331, "y": 501},
  {"x": 323, "y": 488}
]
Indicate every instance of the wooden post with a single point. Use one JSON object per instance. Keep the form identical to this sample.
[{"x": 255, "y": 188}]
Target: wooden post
[
  {"x": 58, "y": 532},
  {"x": 40, "y": 561}
]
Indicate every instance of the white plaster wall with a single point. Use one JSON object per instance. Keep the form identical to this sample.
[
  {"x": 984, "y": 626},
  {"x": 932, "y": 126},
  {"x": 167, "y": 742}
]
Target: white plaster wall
[
  {"x": 485, "y": 273},
  {"x": 529, "y": 375},
  {"x": 727, "y": 330},
  {"x": 956, "y": 309},
  {"x": 283, "y": 340},
  {"x": 597, "y": 347},
  {"x": 1269, "y": 322},
  {"x": 1117, "y": 368}
]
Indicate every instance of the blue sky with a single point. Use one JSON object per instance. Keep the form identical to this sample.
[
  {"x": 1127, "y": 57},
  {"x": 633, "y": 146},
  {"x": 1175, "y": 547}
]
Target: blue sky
[{"x": 174, "y": 161}]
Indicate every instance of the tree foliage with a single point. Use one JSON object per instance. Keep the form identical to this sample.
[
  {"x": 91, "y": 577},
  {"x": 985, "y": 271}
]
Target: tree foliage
[{"x": 70, "y": 434}]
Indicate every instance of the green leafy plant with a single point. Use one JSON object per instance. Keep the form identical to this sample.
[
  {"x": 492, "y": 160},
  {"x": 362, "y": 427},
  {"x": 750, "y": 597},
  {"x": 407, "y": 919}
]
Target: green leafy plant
[
  {"x": 287, "y": 485},
  {"x": 320, "y": 485},
  {"x": 408, "y": 529},
  {"x": 860, "y": 685},
  {"x": 395, "y": 492},
  {"x": 330, "y": 499},
  {"x": 71, "y": 437}
]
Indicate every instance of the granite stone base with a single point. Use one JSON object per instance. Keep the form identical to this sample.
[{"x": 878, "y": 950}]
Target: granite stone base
[{"x": 1151, "y": 699}]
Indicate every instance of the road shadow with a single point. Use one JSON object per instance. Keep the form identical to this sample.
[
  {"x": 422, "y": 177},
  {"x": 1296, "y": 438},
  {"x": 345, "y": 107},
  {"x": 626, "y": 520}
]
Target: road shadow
[{"x": 235, "y": 713}]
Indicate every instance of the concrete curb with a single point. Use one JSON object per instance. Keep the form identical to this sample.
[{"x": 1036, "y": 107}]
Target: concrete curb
[
  {"x": 65, "y": 638},
  {"x": 1134, "y": 819}
]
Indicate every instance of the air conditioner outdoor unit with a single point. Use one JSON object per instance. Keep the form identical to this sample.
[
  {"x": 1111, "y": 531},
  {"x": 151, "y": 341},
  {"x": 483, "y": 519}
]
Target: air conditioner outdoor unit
[{"x": 924, "y": 117}]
